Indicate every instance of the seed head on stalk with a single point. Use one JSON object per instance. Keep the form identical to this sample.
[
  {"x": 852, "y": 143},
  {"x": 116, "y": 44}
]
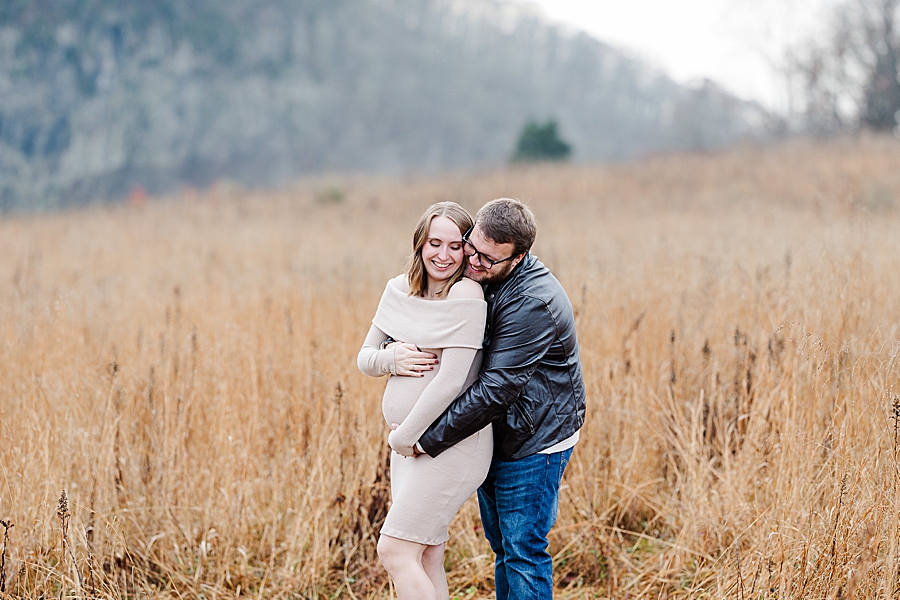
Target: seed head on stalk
[
  {"x": 7, "y": 525},
  {"x": 62, "y": 511}
]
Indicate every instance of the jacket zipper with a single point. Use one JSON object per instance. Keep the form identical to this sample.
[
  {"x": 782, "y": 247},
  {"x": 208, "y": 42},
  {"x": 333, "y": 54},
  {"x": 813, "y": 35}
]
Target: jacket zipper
[{"x": 524, "y": 416}]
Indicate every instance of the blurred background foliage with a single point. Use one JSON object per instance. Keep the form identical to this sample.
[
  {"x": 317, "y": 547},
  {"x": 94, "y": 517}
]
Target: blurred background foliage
[
  {"x": 847, "y": 77},
  {"x": 541, "y": 142},
  {"x": 100, "y": 96}
]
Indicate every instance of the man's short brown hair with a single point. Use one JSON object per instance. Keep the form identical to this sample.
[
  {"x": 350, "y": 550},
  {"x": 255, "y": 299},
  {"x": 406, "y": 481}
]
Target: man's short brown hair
[{"x": 508, "y": 221}]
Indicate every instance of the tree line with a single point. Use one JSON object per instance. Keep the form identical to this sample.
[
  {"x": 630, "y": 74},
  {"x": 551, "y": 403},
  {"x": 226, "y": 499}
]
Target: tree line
[
  {"x": 849, "y": 78},
  {"x": 100, "y": 96}
]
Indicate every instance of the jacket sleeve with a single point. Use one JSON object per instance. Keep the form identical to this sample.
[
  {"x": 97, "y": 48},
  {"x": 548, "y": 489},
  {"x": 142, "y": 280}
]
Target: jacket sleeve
[{"x": 523, "y": 331}]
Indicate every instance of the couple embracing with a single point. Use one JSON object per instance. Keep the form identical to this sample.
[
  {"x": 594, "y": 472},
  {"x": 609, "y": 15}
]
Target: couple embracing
[{"x": 485, "y": 392}]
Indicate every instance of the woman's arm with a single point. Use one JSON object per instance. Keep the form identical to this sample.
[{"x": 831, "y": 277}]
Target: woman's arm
[
  {"x": 372, "y": 360},
  {"x": 396, "y": 358}
]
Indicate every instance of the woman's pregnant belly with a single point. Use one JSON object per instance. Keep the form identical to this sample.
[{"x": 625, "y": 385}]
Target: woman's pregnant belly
[{"x": 401, "y": 393}]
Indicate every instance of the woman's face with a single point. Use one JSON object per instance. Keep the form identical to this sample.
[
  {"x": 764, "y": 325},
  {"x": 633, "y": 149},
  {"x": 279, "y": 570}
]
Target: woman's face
[{"x": 443, "y": 250}]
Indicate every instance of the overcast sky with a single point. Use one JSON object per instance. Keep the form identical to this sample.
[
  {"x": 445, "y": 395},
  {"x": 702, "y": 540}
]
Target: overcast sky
[{"x": 738, "y": 43}]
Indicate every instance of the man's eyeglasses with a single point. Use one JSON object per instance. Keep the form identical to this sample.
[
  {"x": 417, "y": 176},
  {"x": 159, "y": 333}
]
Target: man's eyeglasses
[{"x": 483, "y": 260}]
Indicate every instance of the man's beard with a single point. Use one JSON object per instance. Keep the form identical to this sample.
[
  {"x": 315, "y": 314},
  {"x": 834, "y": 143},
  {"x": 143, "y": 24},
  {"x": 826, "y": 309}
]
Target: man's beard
[{"x": 495, "y": 275}]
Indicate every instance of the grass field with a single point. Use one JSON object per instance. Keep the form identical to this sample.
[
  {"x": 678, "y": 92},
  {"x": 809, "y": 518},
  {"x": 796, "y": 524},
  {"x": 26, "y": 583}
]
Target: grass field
[{"x": 185, "y": 370}]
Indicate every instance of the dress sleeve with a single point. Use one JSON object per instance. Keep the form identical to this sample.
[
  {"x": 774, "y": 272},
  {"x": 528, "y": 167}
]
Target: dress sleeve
[
  {"x": 373, "y": 361},
  {"x": 437, "y": 395}
]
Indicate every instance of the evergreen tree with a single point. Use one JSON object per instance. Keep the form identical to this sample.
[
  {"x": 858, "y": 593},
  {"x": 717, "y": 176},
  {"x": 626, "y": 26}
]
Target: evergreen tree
[{"x": 541, "y": 142}]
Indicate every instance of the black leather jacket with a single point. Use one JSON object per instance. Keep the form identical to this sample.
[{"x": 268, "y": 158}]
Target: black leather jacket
[{"x": 530, "y": 385}]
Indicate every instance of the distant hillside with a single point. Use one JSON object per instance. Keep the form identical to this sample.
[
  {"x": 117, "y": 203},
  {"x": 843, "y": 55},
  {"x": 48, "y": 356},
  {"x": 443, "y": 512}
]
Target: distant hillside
[{"x": 97, "y": 96}]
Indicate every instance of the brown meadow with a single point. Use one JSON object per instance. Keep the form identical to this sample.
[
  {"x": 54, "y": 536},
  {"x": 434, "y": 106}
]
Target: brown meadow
[{"x": 185, "y": 371}]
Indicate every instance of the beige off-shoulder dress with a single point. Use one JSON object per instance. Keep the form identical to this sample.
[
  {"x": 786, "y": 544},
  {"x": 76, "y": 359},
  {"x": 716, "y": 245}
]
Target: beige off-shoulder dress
[{"x": 427, "y": 492}]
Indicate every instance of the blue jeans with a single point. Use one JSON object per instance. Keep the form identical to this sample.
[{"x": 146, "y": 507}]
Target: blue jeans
[{"x": 518, "y": 502}]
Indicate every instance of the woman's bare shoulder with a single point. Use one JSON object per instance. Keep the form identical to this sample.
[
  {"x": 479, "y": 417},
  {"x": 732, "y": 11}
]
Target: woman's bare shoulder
[{"x": 466, "y": 288}]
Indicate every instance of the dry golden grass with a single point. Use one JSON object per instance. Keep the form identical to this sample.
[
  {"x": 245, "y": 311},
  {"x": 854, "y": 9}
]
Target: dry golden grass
[{"x": 185, "y": 371}]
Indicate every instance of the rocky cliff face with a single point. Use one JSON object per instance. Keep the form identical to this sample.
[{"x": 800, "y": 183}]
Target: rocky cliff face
[{"x": 98, "y": 96}]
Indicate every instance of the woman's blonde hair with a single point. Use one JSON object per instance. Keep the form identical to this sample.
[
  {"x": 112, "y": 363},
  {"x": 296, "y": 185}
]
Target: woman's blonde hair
[{"x": 415, "y": 268}]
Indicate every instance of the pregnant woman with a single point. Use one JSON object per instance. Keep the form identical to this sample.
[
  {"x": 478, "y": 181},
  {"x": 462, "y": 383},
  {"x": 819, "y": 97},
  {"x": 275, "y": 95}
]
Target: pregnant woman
[{"x": 438, "y": 316}]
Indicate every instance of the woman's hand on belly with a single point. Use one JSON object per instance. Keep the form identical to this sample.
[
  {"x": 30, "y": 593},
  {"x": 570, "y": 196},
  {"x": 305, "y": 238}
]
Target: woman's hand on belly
[
  {"x": 397, "y": 446},
  {"x": 409, "y": 361}
]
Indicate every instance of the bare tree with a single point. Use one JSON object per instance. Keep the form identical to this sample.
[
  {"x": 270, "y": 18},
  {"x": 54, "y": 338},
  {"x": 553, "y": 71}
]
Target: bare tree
[
  {"x": 849, "y": 78},
  {"x": 882, "y": 92}
]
